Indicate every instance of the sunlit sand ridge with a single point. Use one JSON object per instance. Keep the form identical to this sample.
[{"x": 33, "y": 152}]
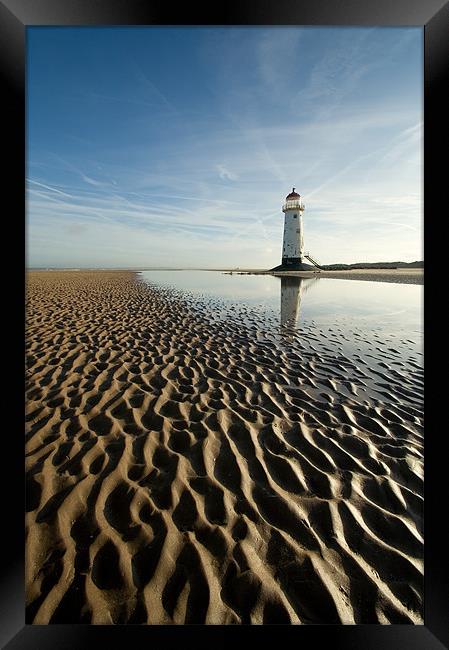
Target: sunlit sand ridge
[{"x": 187, "y": 469}]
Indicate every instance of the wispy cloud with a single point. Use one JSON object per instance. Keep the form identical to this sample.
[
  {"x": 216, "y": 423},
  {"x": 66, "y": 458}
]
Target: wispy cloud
[
  {"x": 225, "y": 174},
  {"x": 48, "y": 187}
]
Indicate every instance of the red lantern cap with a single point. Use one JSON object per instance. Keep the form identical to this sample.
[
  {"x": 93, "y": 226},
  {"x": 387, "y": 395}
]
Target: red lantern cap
[{"x": 292, "y": 195}]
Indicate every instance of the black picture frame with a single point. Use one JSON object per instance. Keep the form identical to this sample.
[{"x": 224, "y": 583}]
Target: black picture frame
[{"x": 15, "y": 17}]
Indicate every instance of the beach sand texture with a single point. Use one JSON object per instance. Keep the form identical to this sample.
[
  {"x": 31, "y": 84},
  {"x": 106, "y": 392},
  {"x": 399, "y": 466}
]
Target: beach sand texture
[{"x": 185, "y": 470}]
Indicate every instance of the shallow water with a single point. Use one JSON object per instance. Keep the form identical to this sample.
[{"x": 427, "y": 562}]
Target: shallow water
[{"x": 352, "y": 305}]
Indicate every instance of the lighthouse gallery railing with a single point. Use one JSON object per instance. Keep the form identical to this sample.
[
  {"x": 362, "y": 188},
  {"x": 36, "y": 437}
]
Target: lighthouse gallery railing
[{"x": 293, "y": 205}]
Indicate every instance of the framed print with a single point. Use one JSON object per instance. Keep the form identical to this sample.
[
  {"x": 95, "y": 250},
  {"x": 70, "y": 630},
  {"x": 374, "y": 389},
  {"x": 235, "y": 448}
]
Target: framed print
[{"x": 223, "y": 234}]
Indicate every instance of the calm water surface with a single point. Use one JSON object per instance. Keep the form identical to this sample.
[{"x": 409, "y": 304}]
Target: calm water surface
[{"x": 374, "y": 306}]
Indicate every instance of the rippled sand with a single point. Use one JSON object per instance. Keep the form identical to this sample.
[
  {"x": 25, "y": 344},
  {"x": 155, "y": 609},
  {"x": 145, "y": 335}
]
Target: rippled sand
[{"x": 188, "y": 465}]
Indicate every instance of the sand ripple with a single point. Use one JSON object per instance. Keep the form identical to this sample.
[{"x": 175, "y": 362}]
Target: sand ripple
[{"x": 186, "y": 468}]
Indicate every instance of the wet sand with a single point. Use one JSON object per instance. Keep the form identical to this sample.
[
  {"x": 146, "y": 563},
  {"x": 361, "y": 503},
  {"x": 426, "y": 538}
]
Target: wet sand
[
  {"x": 183, "y": 468},
  {"x": 401, "y": 276}
]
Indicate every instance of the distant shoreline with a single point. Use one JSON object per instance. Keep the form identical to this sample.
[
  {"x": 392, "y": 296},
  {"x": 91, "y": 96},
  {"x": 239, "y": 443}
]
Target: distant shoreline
[{"x": 401, "y": 275}]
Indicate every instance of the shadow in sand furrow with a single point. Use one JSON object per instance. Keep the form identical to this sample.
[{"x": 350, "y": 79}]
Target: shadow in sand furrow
[
  {"x": 37, "y": 466},
  {"x": 84, "y": 531},
  {"x": 414, "y": 506},
  {"x": 185, "y": 513},
  {"x": 363, "y": 592},
  {"x": 213, "y": 500},
  {"x": 241, "y": 437},
  {"x": 394, "y": 616},
  {"x": 240, "y": 591},
  {"x": 116, "y": 396},
  {"x": 198, "y": 430},
  {"x": 316, "y": 481},
  {"x": 145, "y": 561},
  {"x": 37, "y": 426},
  {"x": 276, "y": 512},
  {"x": 401, "y": 473},
  {"x": 75, "y": 401},
  {"x": 74, "y": 465},
  {"x": 101, "y": 424},
  {"x": 122, "y": 411},
  {"x": 133, "y": 429},
  {"x": 62, "y": 452},
  {"x": 195, "y": 416},
  {"x": 213, "y": 540},
  {"x": 390, "y": 565},
  {"x": 33, "y": 492},
  {"x": 243, "y": 507},
  {"x": 409, "y": 597},
  {"x": 226, "y": 468},
  {"x": 320, "y": 520},
  {"x": 66, "y": 414},
  {"x": 138, "y": 446},
  {"x": 296, "y": 439},
  {"x": 170, "y": 410},
  {"x": 47, "y": 378},
  {"x": 352, "y": 445},
  {"x": 249, "y": 415},
  {"x": 51, "y": 572},
  {"x": 114, "y": 451},
  {"x": 401, "y": 432},
  {"x": 300, "y": 583},
  {"x": 136, "y": 400},
  {"x": 365, "y": 422},
  {"x": 32, "y": 415},
  {"x": 188, "y": 569},
  {"x": 106, "y": 572},
  {"x": 341, "y": 458},
  {"x": 282, "y": 473},
  {"x": 179, "y": 441},
  {"x": 117, "y": 511},
  {"x": 274, "y": 613},
  {"x": 392, "y": 531},
  {"x": 72, "y": 607},
  {"x": 159, "y": 480},
  {"x": 157, "y": 381},
  {"x": 396, "y": 451},
  {"x": 139, "y": 615},
  {"x": 239, "y": 530},
  {"x": 381, "y": 494},
  {"x": 34, "y": 394},
  {"x": 152, "y": 421},
  {"x": 49, "y": 511}
]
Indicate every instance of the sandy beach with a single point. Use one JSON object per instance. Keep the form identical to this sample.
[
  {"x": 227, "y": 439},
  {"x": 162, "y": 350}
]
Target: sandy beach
[{"x": 182, "y": 469}]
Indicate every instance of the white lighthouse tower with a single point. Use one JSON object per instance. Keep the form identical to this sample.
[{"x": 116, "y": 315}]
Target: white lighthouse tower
[{"x": 293, "y": 243}]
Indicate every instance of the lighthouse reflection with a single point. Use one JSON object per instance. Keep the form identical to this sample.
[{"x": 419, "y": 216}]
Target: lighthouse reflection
[{"x": 292, "y": 291}]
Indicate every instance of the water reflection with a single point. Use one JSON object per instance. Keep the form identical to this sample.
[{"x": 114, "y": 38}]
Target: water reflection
[
  {"x": 335, "y": 303},
  {"x": 292, "y": 290}
]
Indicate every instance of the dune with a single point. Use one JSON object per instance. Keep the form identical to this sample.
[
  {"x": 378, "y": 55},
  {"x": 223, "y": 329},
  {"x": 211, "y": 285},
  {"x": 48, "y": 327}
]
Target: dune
[{"x": 187, "y": 468}]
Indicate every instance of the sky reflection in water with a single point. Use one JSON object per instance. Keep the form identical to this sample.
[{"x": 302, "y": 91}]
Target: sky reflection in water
[{"x": 370, "y": 306}]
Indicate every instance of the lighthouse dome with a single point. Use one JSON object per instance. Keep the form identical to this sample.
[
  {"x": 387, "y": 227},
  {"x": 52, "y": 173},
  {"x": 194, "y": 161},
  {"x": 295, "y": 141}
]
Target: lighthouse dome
[{"x": 292, "y": 195}]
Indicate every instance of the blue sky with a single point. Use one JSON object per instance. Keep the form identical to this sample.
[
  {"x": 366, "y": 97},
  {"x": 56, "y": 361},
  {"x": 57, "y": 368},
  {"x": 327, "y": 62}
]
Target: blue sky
[{"x": 165, "y": 146}]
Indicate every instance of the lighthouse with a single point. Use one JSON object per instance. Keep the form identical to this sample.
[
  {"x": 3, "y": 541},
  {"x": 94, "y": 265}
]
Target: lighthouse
[{"x": 293, "y": 242}]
